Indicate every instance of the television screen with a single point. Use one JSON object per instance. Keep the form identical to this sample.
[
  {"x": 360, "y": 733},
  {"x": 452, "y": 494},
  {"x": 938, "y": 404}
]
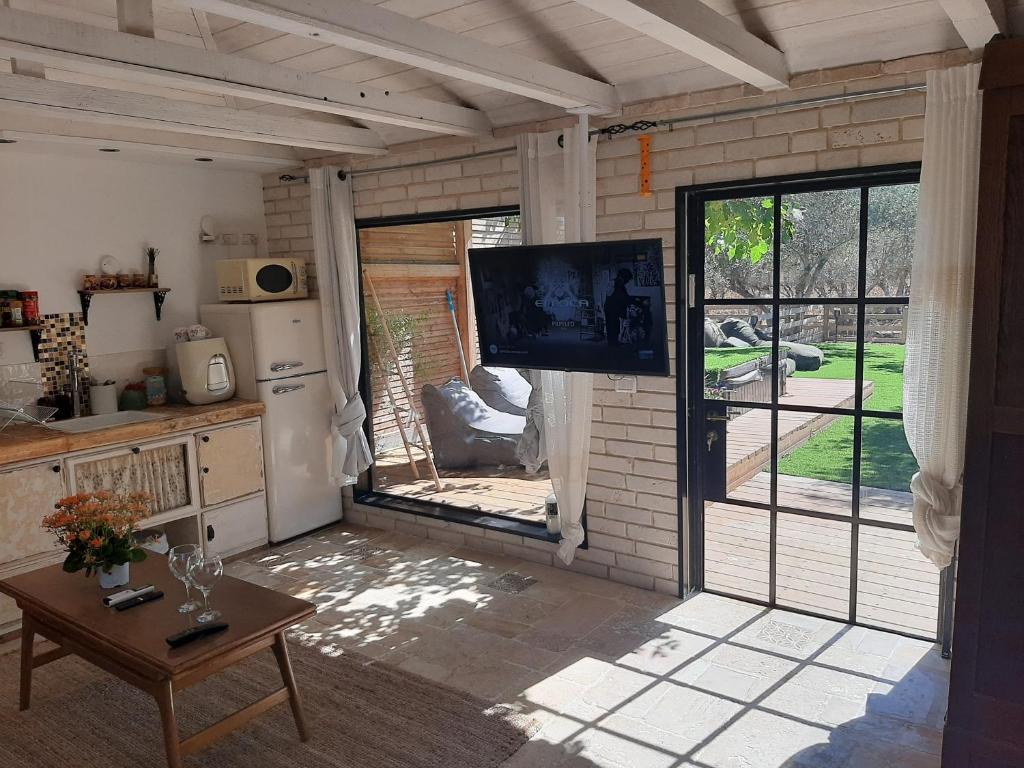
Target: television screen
[{"x": 596, "y": 307}]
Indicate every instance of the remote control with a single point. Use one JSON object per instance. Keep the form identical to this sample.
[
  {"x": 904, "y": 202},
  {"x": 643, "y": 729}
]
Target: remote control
[
  {"x": 194, "y": 633},
  {"x": 131, "y": 602}
]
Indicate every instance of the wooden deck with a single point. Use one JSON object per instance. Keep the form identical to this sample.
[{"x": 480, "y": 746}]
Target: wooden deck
[
  {"x": 507, "y": 491},
  {"x": 897, "y": 587},
  {"x": 748, "y": 438}
]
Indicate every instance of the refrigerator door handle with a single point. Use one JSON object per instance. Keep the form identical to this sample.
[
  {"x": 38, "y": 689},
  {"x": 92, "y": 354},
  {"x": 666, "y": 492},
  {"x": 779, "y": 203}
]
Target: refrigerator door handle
[
  {"x": 287, "y": 365},
  {"x": 283, "y": 388}
]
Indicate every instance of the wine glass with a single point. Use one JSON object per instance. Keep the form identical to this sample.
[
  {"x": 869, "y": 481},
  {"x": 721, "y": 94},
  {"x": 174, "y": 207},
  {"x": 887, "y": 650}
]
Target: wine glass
[
  {"x": 177, "y": 561},
  {"x": 204, "y": 572}
]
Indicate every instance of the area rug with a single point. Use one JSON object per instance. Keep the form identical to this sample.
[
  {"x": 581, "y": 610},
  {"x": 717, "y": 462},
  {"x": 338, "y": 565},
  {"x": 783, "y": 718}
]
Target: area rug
[{"x": 362, "y": 714}]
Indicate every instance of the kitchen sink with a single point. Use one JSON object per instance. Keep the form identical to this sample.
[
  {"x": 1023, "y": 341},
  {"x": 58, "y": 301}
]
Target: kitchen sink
[{"x": 102, "y": 421}]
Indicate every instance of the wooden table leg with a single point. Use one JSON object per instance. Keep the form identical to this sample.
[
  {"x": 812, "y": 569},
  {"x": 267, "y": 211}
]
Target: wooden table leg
[
  {"x": 288, "y": 676},
  {"x": 165, "y": 700},
  {"x": 28, "y": 637}
]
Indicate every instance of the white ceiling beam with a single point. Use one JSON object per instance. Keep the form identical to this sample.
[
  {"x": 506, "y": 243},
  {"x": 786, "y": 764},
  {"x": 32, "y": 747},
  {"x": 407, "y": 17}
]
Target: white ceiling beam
[
  {"x": 106, "y": 53},
  {"x": 976, "y": 21},
  {"x": 209, "y": 43},
  {"x": 136, "y": 17},
  {"x": 698, "y": 31},
  {"x": 103, "y": 105},
  {"x": 371, "y": 29}
]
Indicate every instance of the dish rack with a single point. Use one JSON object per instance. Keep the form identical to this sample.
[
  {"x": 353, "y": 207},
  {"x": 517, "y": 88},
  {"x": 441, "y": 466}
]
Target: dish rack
[{"x": 24, "y": 414}]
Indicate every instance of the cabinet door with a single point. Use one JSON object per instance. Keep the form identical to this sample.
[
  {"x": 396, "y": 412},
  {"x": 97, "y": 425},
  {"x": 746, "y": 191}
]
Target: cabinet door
[
  {"x": 236, "y": 527},
  {"x": 163, "y": 469},
  {"x": 27, "y": 495},
  {"x": 230, "y": 463}
]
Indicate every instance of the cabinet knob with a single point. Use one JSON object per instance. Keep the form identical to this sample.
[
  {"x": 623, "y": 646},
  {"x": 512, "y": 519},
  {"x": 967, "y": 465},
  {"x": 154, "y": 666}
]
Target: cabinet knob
[
  {"x": 210, "y": 533},
  {"x": 206, "y": 470},
  {"x": 136, "y": 450},
  {"x": 206, "y": 438},
  {"x": 56, "y": 467}
]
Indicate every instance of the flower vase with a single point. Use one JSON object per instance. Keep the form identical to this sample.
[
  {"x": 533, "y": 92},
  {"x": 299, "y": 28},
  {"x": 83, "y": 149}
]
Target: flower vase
[{"x": 116, "y": 576}]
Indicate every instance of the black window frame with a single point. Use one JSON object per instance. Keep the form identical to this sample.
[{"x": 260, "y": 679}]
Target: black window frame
[
  {"x": 363, "y": 492},
  {"x": 689, "y": 336}
]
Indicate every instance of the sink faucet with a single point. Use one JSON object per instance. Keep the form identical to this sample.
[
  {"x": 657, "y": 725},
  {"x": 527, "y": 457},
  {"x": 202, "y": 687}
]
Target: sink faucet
[{"x": 76, "y": 384}]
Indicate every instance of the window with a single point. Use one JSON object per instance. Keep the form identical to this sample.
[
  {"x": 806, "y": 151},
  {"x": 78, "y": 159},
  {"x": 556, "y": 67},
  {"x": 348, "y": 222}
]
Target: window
[{"x": 420, "y": 407}]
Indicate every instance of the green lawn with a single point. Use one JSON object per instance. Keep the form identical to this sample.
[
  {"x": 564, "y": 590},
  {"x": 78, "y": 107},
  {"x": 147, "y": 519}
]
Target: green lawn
[
  {"x": 721, "y": 359},
  {"x": 886, "y": 458}
]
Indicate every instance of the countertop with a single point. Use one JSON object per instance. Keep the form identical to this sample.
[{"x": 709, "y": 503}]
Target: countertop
[{"x": 24, "y": 442}]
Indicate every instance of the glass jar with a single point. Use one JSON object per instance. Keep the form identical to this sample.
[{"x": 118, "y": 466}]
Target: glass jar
[{"x": 156, "y": 386}]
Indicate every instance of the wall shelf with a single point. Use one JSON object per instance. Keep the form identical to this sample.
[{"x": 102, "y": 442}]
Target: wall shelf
[
  {"x": 159, "y": 294},
  {"x": 35, "y": 334}
]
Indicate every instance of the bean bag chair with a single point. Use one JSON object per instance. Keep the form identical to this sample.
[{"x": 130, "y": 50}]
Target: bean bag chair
[
  {"x": 806, "y": 357},
  {"x": 504, "y": 389},
  {"x": 732, "y": 341},
  {"x": 741, "y": 329},
  {"x": 713, "y": 336},
  {"x": 465, "y": 431}
]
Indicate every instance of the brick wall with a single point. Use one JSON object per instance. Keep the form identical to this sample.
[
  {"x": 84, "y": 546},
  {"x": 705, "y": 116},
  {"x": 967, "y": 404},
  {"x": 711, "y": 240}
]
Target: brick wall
[{"x": 632, "y": 493}]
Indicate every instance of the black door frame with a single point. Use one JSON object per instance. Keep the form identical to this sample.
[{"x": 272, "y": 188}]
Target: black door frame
[{"x": 690, "y": 308}]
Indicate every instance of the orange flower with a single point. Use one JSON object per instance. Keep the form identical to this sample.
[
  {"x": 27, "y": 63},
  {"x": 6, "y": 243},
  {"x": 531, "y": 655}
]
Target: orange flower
[
  {"x": 85, "y": 535},
  {"x": 96, "y": 543}
]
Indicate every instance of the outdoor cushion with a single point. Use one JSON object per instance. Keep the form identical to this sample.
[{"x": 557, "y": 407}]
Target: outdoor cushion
[
  {"x": 713, "y": 336},
  {"x": 503, "y": 389},
  {"x": 732, "y": 341},
  {"x": 465, "y": 431},
  {"x": 806, "y": 357},
  {"x": 741, "y": 329}
]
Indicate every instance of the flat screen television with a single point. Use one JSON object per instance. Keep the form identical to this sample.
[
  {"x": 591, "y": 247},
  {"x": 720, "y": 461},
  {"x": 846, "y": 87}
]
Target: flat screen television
[{"x": 596, "y": 307}]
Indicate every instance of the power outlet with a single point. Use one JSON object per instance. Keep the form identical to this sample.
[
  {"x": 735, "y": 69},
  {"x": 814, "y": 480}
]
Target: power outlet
[
  {"x": 626, "y": 384},
  {"x": 229, "y": 239},
  {"x": 248, "y": 239}
]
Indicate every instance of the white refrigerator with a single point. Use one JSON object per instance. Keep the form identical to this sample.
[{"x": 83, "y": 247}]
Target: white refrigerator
[{"x": 278, "y": 354}]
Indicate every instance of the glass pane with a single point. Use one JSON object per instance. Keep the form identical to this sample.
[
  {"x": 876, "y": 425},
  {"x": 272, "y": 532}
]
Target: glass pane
[
  {"x": 886, "y": 466},
  {"x": 885, "y": 338},
  {"x": 813, "y": 565},
  {"x": 820, "y": 244},
  {"x": 897, "y": 587},
  {"x": 820, "y": 360},
  {"x": 736, "y": 541},
  {"x": 816, "y": 472},
  {"x": 737, "y": 353},
  {"x": 738, "y": 248},
  {"x": 892, "y": 217},
  {"x": 749, "y": 454}
]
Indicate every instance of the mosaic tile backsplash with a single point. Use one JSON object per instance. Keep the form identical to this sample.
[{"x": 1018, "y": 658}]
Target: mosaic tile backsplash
[{"x": 61, "y": 333}]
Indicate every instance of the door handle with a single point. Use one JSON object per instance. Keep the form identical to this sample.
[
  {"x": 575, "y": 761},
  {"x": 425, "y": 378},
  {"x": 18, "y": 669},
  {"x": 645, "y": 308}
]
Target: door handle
[
  {"x": 282, "y": 389},
  {"x": 715, "y": 417},
  {"x": 286, "y": 365}
]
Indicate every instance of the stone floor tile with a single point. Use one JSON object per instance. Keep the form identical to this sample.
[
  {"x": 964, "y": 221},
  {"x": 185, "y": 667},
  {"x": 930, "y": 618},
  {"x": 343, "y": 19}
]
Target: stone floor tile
[{"x": 765, "y": 741}]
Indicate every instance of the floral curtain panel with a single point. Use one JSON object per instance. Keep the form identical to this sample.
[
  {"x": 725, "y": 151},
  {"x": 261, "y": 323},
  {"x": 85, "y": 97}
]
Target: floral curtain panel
[{"x": 160, "y": 472}]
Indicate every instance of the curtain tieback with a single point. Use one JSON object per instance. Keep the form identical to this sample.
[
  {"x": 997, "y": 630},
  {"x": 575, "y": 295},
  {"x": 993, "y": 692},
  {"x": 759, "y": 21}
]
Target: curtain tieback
[
  {"x": 351, "y": 417},
  {"x": 936, "y": 517}
]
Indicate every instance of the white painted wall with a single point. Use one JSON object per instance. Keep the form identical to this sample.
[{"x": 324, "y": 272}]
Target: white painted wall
[{"x": 61, "y": 213}]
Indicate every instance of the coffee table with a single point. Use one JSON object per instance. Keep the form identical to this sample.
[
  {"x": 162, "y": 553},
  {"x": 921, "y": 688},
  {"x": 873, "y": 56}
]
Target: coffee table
[{"x": 66, "y": 609}]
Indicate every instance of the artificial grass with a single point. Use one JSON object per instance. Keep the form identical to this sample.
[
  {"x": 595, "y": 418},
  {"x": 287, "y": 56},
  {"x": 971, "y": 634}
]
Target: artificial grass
[
  {"x": 718, "y": 359},
  {"x": 886, "y": 459}
]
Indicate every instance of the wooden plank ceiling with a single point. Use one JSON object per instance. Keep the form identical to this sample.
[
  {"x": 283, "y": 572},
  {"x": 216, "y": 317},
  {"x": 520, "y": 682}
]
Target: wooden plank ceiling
[{"x": 572, "y": 36}]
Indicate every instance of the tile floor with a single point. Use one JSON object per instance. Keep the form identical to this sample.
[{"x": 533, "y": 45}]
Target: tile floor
[{"x": 619, "y": 677}]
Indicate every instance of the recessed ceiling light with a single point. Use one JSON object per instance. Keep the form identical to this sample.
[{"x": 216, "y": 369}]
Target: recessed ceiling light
[
  {"x": 204, "y": 159},
  {"x": 109, "y": 149},
  {"x": 8, "y": 141}
]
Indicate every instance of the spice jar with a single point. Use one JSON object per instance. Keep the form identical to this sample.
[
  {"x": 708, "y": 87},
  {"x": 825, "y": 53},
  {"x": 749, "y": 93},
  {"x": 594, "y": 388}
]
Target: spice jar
[
  {"x": 156, "y": 386},
  {"x": 91, "y": 282},
  {"x": 124, "y": 280},
  {"x": 30, "y": 307}
]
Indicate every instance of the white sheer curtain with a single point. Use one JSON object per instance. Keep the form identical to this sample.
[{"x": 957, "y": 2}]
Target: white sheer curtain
[
  {"x": 557, "y": 204},
  {"x": 941, "y": 302},
  {"x": 337, "y": 272}
]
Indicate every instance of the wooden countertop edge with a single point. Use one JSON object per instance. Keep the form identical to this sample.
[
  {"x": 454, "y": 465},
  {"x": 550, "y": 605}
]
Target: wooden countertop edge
[{"x": 25, "y": 443}]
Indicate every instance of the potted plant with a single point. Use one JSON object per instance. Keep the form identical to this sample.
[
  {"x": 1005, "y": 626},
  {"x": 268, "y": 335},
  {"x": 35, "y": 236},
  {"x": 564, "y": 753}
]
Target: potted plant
[{"x": 97, "y": 530}]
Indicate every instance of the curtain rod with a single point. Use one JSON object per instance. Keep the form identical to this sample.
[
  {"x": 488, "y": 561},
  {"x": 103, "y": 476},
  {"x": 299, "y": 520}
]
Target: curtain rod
[{"x": 644, "y": 125}]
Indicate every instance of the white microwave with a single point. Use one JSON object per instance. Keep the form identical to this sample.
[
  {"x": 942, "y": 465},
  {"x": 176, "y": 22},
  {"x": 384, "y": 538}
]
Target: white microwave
[{"x": 261, "y": 279}]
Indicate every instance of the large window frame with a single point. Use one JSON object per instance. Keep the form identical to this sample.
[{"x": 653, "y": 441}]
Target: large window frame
[
  {"x": 364, "y": 491},
  {"x": 690, "y": 303}
]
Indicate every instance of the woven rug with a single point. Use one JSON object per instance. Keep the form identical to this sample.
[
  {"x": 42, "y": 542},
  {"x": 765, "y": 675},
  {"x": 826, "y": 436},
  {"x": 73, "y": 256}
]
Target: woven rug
[{"x": 361, "y": 714}]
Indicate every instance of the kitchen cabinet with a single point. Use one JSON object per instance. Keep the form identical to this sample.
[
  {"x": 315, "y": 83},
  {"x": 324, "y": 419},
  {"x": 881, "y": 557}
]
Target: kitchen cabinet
[
  {"x": 165, "y": 469},
  {"x": 230, "y": 463},
  {"x": 27, "y": 494},
  {"x": 236, "y": 527}
]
